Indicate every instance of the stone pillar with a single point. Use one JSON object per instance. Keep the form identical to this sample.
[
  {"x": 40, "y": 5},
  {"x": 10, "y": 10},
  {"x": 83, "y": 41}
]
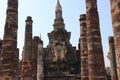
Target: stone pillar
[
  {"x": 95, "y": 51},
  {"x": 9, "y": 44},
  {"x": 35, "y": 55},
  {"x": 27, "y": 53},
  {"x": 112, "y": 58},
  {"x": 40, "y": 66},
  {"x": 115, "y": 10},
  {"x": 84, "y": 53}
]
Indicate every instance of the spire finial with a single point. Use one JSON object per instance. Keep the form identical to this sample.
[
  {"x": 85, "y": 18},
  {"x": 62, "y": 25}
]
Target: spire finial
[
  {"x": 58, "y": 6},
  {"x": 58, "y": 17},
  {"x": 58, "y": 2}
]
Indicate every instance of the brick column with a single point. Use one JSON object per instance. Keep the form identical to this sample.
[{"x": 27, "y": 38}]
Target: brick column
[
  {"x": 35, "y": 55},
  {"x": 9, "y": 44},
  {"x": 112, "y": 58},
  {"x": 27, "y": 54},
  {"x": 84, "y": 53},
  {"x": 95, "y": 50},
  {"x": 40, "y": 63},
  {"x": 115, "y": 10}
]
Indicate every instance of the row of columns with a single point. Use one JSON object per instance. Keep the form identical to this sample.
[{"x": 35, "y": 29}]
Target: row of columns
[
  {"x": 92, "y": 62},
  {"x": 94, "y": 47}
]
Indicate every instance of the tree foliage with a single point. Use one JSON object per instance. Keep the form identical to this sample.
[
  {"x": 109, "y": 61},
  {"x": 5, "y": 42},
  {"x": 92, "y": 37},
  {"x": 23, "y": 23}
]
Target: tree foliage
[{"x": 108, "y": 71}]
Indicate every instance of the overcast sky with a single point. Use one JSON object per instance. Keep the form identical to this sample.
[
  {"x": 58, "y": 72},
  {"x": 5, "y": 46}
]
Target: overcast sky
[{"x": 43, "y": 15}]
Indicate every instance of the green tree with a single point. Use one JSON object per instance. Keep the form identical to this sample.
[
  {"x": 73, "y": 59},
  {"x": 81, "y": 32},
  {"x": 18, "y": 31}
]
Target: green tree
[{"x": 108, "y": 70}]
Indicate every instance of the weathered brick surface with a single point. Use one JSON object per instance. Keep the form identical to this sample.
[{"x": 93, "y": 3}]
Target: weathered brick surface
[
  {"x": 115, "y": 10},
  {"x": 84, "y": 52},
  {"x": 95, "y": 51},
  {"x": 112, "y": 58},
  {"x": 26, "y": 72},
  {"x": 9, "y": 52}
]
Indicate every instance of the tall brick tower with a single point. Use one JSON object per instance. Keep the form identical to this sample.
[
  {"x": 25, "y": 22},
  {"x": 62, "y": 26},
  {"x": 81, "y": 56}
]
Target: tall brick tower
[
  {"x": 95, "y": 50},
  {"x": 9, "y": 44},
  {"x": 27, "y": 54},
  {"x": 115, "y": 10},
  {"x": 84, "y": 52}
]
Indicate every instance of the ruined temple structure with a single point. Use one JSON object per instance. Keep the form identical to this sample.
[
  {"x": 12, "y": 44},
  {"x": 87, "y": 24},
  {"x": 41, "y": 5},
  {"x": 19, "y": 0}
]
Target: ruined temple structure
[{"x": 59, "y": 60}]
